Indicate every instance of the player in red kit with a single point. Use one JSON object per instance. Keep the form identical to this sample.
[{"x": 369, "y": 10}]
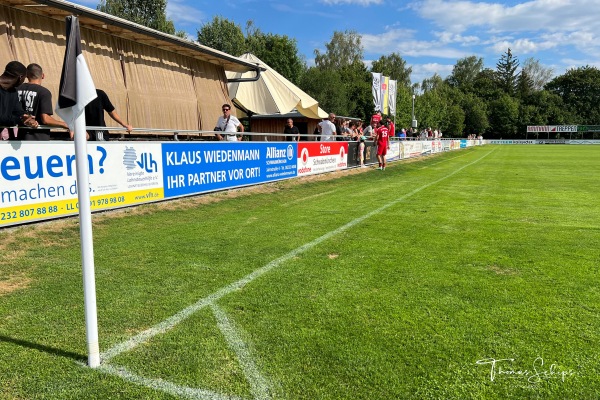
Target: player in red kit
[{"x": 383, "y": 144}]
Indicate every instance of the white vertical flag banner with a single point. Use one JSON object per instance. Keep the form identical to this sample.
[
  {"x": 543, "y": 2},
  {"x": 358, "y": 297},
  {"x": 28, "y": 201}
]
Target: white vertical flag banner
[
  {"x": 75, "y": 92},
  {"x": 392, "y": 97},
  {"x": 384, "y": 94},
  {"x": 376, "y": 91}
]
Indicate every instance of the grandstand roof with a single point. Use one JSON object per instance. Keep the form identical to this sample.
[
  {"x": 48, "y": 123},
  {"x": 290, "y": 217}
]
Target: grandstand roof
[{"x": 94, "y": 19}]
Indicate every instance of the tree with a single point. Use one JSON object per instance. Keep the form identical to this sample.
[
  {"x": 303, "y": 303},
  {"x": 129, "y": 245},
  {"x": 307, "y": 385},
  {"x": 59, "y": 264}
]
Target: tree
[
  {"x": 340, "y": 80},
  {"x": 344, "y": 49},
  {"x": 455, "y": 124},
  {"x": 525, "y": 86},
  {"x": 325, "y": 85},
  {"x": 549, "y": 109},
  {"x": 394, "y": 67},
  {"x": 150, "y": 13},
  {"x": 358, "y": 81},
  {"x": 223, "y": 35},
  {"x": 539, "y": 74},
  {"x": 506, "y": 72},
  {"x": 476, "y": 119},
  {"x": 579, "y": 89},
  {"x": 277, "y": 51},
  {"x": 432, "y": 83},
  {"x": 504, "y": 117},
  {"x": 485, "y": 85},
  {"x": 465, "y": 72}
]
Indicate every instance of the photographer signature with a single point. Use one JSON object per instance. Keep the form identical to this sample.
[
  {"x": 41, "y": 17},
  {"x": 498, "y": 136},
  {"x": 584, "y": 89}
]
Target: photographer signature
[{"x": 534, "y": 375}]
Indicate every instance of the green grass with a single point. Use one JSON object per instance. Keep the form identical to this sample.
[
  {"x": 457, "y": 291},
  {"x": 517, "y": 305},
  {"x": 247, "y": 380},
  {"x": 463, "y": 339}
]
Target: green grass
[{"x": 482, "y": 253}]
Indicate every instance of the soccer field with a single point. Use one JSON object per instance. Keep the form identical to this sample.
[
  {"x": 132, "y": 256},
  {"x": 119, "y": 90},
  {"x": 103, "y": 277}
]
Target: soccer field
[{"x": 467, "y": 275}]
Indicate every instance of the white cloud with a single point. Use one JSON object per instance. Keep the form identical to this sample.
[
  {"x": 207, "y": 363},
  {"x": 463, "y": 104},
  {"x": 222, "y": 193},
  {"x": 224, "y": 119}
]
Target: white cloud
[
  {"x": 534, "y": 15},
  {"x": 180, "y": 13},
  {"x": 450, "y": 37},
  {"x": 523, "y": 47},
  {"x": 424, "y": 71},
  {"x": 402, "y": 41}
]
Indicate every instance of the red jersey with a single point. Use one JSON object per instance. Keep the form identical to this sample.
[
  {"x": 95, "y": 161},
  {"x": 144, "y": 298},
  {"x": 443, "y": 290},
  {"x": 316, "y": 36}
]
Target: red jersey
[
  {"x": 376, "y": 118},
  {"x": 382, "y": 136}
]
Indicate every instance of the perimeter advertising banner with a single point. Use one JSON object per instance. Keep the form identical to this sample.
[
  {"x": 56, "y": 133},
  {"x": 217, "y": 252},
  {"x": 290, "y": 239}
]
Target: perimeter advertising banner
[
  {"x": 370, "y": 154},
  {"x": 394, "y": 152},
  {"x": 207, "y": 166},
  {"x": 412, "y": 149},
  {"x": 38, "y": 179},
  {"x": 319, "y": 157}
]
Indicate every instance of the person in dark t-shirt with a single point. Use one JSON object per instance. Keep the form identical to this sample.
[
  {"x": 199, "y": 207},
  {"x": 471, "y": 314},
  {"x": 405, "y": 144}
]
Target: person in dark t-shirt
[
  {"x": 94, "y": 115},
  {"x": 37, "y": 101},
  {"x": 290, "y": 129}
]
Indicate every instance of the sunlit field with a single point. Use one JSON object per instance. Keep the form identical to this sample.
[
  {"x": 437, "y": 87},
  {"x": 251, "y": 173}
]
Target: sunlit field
[{"x": 467, "y": 275}]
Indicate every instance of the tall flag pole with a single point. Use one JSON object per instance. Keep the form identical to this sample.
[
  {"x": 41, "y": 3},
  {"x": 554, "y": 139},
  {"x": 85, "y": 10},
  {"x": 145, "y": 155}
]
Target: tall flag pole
[
  {"x": 384, "y": 94},
  {"x": 376, "y": 89},
  {"x": 76, "y": 90}
]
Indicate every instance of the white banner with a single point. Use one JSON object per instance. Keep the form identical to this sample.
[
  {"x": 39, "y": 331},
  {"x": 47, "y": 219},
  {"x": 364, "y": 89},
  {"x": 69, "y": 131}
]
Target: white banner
[
  {"x": 376, "y": 89},
  {"x": 392, "y": 90}
]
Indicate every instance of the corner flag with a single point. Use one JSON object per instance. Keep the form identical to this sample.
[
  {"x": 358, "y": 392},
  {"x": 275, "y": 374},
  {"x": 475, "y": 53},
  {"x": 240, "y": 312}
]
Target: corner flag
[
  {"x": 76, "y": 84},
  {"x": 75, "y": 92}
]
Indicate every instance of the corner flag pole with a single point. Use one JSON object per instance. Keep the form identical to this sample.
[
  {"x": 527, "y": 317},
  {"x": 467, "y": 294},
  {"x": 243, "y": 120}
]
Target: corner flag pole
[{"x": 76, "y": 90}]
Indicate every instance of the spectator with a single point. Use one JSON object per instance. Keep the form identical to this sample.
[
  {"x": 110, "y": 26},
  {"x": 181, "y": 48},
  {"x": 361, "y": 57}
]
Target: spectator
[
  {"x": 383, "y": 144},
  {"x": 391, "y": 127},
  {"x": 94, "y": 116},
  {"x": 376, "y": 118},
  {"x": 354, "y": 133},
  {"x": 316, "y": 133},
  {"x": 369, "y": 131},
  {"x": 359, "y": 128},
  {"x": 37, "y": 101},
  {"x": 327, "y": 129},
  {"x": 346, "y": 131},
  {"x": 229, "y": 124},
  {"x": 361, "y": 151},
  {"x": 339, "y": 129},
  {"x": 11, "y": 111},
  {"x": 292, "y": 130}
]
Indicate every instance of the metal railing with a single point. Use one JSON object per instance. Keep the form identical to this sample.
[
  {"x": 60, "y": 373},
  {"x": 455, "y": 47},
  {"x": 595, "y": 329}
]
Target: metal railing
[{"x": 190, "y": 134}]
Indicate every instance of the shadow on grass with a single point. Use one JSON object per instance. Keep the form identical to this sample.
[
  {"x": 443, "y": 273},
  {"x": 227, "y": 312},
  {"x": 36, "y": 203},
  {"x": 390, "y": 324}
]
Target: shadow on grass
[{"x": 46, "y": 349}]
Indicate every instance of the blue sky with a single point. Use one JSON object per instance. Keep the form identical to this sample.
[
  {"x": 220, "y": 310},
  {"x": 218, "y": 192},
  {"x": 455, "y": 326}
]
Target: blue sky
[{"x": 431, "y": 35}]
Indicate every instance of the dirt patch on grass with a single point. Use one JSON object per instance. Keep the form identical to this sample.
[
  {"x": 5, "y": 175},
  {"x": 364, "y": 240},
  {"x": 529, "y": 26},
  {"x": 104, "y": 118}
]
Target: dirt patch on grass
[
  {"x": 501, "y": 270},
  {"x": 13, "y": 283}
]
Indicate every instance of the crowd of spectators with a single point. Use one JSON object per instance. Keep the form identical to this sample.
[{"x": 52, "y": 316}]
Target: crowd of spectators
[{"x": 29, "y": 105}]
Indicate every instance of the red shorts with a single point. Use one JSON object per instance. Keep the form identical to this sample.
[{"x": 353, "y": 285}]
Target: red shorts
[{"x": 381, "y": 150}]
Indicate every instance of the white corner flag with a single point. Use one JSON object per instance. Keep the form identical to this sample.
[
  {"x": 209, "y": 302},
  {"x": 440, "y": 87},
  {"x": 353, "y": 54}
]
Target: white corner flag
[
  {"x": 76, "y": 84},
  {"x": 75, "y": 92}
]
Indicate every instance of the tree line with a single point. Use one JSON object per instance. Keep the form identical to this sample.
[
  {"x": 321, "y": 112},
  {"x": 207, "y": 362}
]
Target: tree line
[{"x": 498, "y": 103}]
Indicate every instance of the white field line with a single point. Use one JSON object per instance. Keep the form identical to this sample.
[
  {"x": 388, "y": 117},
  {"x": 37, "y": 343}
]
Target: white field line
[
  {"x": 259, "y": 386},
  {"x": 182, "y": 315},
  {"x": 164, "y": 386}
]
